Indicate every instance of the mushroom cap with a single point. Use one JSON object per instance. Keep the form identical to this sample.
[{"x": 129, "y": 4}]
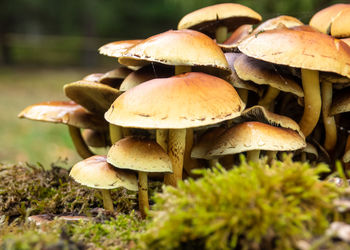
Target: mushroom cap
[
  {"x": 94, "y": 77},
  {"x": 249, "y": 136},
  {"x": 238, "y": 35},
  {"x": 182, "y": 101},
  {"x": 144, "y": 74},
  {"x": 341, "y": 102},
  {"x": 277, "y": 22},
  {"x": 346, "y": 40},
  {"x": 177, "y": 47},
  {"x": 233, "y": 77},
  {"x": 96, "y": 138},
  {"x": 200, "y": 149},
  {"x": 261, "y": 72},
  {"x": 299, "y": 48},
  {"x": 207, "y": 19},
  {"x": 95, "y": 97},
  {"x": 117, "y": 48},
  {"x": 260, "y": 114},
  {"x": 333, "y": 20},
  {"x": 96, "y": 172},
  {"x": 66, "y": 112},
  {"x": 139, "y": 155},
  {"x": 115, "y": 77}
]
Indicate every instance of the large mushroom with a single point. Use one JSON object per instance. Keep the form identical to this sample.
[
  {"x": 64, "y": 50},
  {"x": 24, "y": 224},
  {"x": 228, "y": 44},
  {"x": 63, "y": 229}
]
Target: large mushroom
[
  {"x": 176, "y": 103},
  {"x": 69, "y": 113},
  {"x": 141, "y": 155},
  {"x": 96, "y": 172}
]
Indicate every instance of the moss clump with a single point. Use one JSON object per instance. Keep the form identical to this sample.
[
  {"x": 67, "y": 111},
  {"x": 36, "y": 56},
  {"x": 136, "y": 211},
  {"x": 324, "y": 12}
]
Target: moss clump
[
  {"x": 251, "y": 206},
  {"x": 116, "y": 233},
  {"x": 26, "y": 190}
]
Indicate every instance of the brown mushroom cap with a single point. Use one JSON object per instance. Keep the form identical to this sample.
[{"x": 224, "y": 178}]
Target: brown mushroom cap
[
  {"x": 341, "y": 102},
  {"x": 301, "y": 49},
  {"x": 66, "y": 112},
  {"x": 115, "y": 77},
  {"x": 95, "y": 97},
  {"x": 207, "y": 19},
  {"x": 177, "y": 47},
  {"x": 238, "y": 35},
  {"x": 117, "y": 48},
  {"x": 333, "y": 20},
  {"x": 182, "y": 101},
  {"x": 139, "y": 155},
  {"x": 346, "y": 40},
  {"x": 276, "y": 23},
  {"x": 94, "y": 77},
  {"x": 249, "y": 136},
  {"x": 96, "y": 138},
  {"x": 261, "y": 72},
  {"x": 260, "y": 114},
  {"x": 96, "y": 172}
]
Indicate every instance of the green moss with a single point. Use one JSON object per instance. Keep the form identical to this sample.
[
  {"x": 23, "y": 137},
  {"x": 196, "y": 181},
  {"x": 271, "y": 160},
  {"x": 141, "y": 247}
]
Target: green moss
[
  {"x": 28, "y": 190},
  {"x": 248, "y": 207}
]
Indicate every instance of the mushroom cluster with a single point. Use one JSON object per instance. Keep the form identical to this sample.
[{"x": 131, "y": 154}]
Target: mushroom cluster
[{"x": 206, "y": 92}]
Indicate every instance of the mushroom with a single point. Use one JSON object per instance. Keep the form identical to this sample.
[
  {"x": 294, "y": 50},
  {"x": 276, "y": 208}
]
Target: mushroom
[
  {"x": 253, "y": 137},
  {"x": 96, "y": 138},
  {"x": 96, "y": 172},
  {"x": 310, "y": 51},
  {"x": 217, "y": 20},
  {"x": 170, "y": 103},
  {"x": 277, "y": 23},
  {"x": 115, "y": 77},
  {"x": 141, "y": 155},
  {"x": 70, "y": 113},
  {"x": 116, "y": 49}
]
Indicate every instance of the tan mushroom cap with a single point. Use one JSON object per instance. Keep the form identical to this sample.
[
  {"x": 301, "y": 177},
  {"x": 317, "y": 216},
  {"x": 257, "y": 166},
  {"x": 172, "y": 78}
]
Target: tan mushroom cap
[
  {"x": 139, "y": 155},
  {"x": 115, "y": 77},
  {"x": 341, "y": 102},
  {"x": 301, "y": 49},
  {"x": 177, "y": 47},
  {"x": 333, "y": 20},
  {"x": 233, "y": 77},
  {"x": 311, "y": 149},
  {"x": 182, "y": 101},
  {"x": 207, "y": 19},
  {"x": 277, "y": 22},
  {"x": 66, "y": 112},
  {"x": 95, "y": 97},
  {"x": 261, "y": 72},
  {"x": 256, "y": 136},
  {"x": 94, "y": 77},
  {"x": 117, "y": 48},
  {"x": 200, "y": 149},
  {"x": 144, "y": 74},
  {"x": 96, "y": 172},
  {"x": 260, "y": 114},
  {"x": 238, "y": 35}
]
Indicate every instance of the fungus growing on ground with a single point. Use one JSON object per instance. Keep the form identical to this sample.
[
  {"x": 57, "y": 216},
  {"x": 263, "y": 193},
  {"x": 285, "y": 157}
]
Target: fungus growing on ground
[
  {"x": 69, "y": 113},
  {"x": 217, "y": 20},
  {"x": 176, "y": 103},
  {"x": 310, "y": 51},
  {"x": 141, "y": 155},
  {"x": 96, "y": 172}
]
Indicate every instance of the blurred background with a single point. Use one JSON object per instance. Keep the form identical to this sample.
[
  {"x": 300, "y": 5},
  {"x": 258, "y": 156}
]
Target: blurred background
[{"x": 45, "y": 44}]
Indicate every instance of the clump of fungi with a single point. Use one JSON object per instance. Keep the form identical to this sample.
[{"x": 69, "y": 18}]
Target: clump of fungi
[{"x": 204, "y": 93}]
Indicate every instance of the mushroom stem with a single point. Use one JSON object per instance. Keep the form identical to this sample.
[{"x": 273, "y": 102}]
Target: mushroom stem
[
  {"x": 126, "y": 132},
  {"x": 347, "y": 148},
  {"x": 269, "y": 97},
  {"x": 176, "y": 151},
  {"x": 243, "y": 94},
  {"x": 271, "y": 155},
  {"x": 303, "y": 157},
  {"x": 107, "y": 200},
  {"x": 213, "y": 162},
  {"x": 328, "y": 121},
  {"x": 162, "y": 138},
  {"x": 312, "y": 101},
  {"x": 143, "y": 193},
  {"x": 253, "y": 155},
  {"x": 180, "y": 69},
  {"x": 221, "y": 34},
  {"x": 115, "y": 132},
  {"x": 189, "y": 163},
  {"x": 79, "y": 143}
]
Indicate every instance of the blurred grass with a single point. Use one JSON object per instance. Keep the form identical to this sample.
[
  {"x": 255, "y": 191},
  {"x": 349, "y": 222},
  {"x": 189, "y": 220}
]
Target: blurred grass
[{"x": 32, "y": 141}]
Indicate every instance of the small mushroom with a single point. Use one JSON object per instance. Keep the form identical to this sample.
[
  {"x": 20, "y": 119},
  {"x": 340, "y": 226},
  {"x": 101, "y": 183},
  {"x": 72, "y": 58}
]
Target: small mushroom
[{"x": 96, "y": 172}]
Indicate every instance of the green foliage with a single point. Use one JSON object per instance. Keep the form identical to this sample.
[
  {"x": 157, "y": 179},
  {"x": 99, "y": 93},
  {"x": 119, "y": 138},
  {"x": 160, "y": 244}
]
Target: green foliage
[
  {"x": 116, "y": 233},
  {"x": 250, "y": 206},
  {"x": 26, "y": 190}
]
